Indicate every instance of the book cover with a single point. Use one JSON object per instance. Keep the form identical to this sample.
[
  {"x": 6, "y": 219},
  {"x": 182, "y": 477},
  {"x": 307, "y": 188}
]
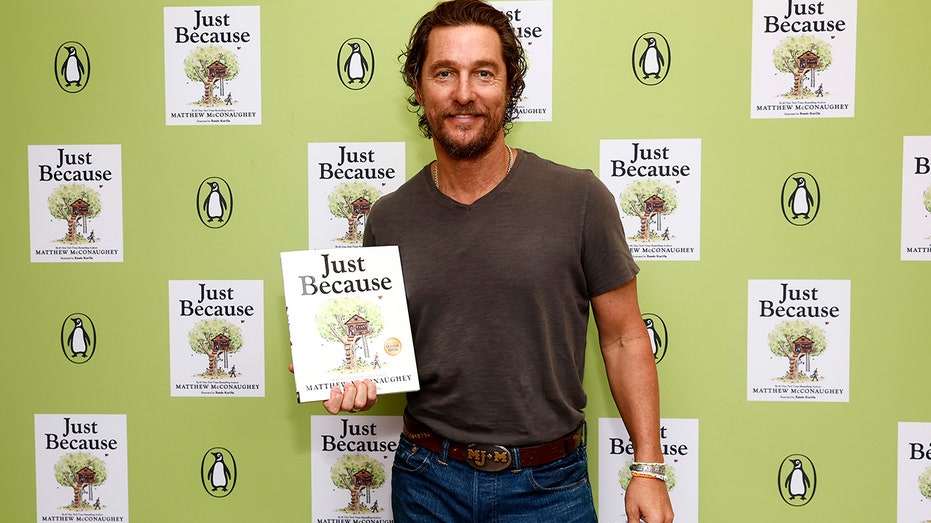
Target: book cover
[
  {"x": 803, "y": 59},
  {"x": 679, "y": 439},
  {"x": 81, "y": 467},
  {"x": 657, "y": 188},
  {"x": 916, "y": 199},
  {"x": 798, "y": 340},
  {"x": 344, "y": 180},
  {"x": 213, "y": 73},
  {"x": 348, "y": 320},
  {"x": 75, "y": 203},
  {"x": 351, "y": 460},
  {"x": 217, "y": 338},
  {"x": 532, "y": 21}
]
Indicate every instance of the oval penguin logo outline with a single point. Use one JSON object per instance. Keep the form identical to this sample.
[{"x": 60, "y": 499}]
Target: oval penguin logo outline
[
  {"x": 214, "y": 202},
  {"x": 72, "y": 67},
  {"x": 355, "y": 64},
  {"x": 659, "y": 335},
  {"x": 78, "y": 338},
  {"x": 651, "y": 58},
  {"x": 801, "y": 198},
  {"x": 797, "y": 480},
  {"x": 218, "y": 472}
]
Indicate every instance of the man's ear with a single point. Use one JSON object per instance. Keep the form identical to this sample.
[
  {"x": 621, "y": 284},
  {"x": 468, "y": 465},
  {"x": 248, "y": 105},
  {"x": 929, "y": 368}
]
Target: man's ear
[{"x": 417, "y": 95}]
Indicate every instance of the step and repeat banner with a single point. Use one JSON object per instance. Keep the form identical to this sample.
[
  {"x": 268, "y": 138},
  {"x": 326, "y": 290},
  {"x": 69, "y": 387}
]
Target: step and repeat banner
[{"x": 770, "y": 159}]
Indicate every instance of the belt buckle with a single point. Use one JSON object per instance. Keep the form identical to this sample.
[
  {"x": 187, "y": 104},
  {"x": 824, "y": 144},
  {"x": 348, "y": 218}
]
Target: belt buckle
[{"x": 488, "y": 458}]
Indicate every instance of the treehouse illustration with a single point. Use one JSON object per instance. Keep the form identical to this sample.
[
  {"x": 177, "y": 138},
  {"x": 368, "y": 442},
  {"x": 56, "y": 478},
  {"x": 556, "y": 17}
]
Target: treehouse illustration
[{"x": 357, "y": 328}]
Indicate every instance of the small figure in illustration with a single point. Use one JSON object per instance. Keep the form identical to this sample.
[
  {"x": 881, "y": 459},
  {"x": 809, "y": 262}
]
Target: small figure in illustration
[
  {"x": 78, "y": 340},
  {"x": 797, "y": 481},
  {"x": 666, "y": 234},
  {"x": 651, "y": 61},
  {"x": 820, "y": 90},
  {"x": 214, "y": 204},
  {"x": 376, "y": 364},
  {"x": 229, "y": 99},
  {"x": 92, "y": 238},
  {"x": 375, "y": 506},
  {"x": 218, "y": 473},
  {"x": 233, "y": 372},
  {"x": 814, "y": 375},
  {"x": 97, "y": 504},
  {"x": 800, "y": 200},
  {"x": 72, "y": 69},
  {"x": 355, "y": 65}
]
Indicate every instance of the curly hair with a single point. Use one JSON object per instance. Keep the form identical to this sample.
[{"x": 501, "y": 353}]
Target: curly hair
[{"x": 465, "y": 12}]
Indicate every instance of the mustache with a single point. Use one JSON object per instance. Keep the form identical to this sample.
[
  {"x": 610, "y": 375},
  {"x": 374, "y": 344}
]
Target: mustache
[{"x": 466, "y": 110}]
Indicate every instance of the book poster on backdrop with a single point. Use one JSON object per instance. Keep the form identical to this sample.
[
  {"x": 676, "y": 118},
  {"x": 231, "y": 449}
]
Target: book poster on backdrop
[
  {"x": 81, "y": 467},
  {"x": 217, "y": 338},
  {"x": 75, "y": 203},
  {"x": 679, "y": 440},
  {"x": 798, "y": 340},
  {"x": 213, "y": 73},
  {"x": 916, "y": 199},
  {"x": 657, "y": 187},
  {"x": 348, "y": 320},
  {"x": 803, "y": 59},
  {"x": 344, "y": 180},
  {"x": 350, "y": 464}
]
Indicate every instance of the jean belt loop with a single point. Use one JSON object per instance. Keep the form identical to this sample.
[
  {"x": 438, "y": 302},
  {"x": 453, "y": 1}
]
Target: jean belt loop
[
  {"x": 515, "y": 456},
  {"x": 585, "y": 433},
  {"x": 444, "y": 456}
]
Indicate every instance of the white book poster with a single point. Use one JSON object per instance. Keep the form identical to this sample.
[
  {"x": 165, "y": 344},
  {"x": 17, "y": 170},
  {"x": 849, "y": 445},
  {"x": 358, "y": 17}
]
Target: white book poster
[
  {"x": 657, "y": 186},
  {"x": 343, "y": 181},
  {"x": 533, "y": 24},
  {"x": 75, "y": 203},
  {"x": 348, "y": 320},
  {"x": 81, "y": 467},
  {"x": 916, "y": 199},
  {"x": 914, "y": 472},
  {"x": 679, "y": 439},
  {"x": 798, "y": 340},
  {"x": 351, "y": 461},
  {"x": 213, "y": 73},
  {"x": 217, "y": 338},
  {"x": 803, "y": 59}
]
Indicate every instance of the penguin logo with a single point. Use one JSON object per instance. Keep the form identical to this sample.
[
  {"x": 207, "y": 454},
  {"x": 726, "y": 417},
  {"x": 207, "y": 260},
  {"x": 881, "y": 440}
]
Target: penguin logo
[
  {"x": 651, "y": 58},
  {"x": 801, "y": 198},
  {"x": 355, "y": 64},
  {"x": 218, "y": 472},
  {"x": 78, "y": 338},
  {"x": 72, "y": 67},
  {"x": 214, "y": 202},
  {"x": 797, "y": 480},
  {"x": 659, "y": 336}
]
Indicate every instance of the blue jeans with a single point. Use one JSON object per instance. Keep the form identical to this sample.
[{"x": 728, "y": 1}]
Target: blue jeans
[{"x": 428, "y": 487}]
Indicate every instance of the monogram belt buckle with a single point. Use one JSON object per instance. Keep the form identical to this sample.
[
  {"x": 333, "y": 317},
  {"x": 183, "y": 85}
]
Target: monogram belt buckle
[{"x": 488, "y": 458}]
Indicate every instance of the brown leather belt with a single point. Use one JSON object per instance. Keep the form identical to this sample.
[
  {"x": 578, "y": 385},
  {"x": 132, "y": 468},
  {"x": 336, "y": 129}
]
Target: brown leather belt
[{"x": 493, "y": 458}]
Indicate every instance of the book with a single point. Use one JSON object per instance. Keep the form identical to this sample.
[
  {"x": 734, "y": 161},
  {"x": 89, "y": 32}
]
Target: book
[{"x": 348, "y": 320}]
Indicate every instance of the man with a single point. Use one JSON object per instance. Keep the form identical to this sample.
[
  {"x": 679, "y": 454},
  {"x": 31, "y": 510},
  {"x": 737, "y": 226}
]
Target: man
[{"x": 503, "y": 255}]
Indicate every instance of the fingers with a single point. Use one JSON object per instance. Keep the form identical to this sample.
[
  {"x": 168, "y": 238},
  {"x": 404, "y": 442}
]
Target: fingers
[{"x": 354, "y": 397}]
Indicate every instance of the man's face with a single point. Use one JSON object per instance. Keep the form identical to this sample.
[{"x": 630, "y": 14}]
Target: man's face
[{"x": 463, "y": 88}]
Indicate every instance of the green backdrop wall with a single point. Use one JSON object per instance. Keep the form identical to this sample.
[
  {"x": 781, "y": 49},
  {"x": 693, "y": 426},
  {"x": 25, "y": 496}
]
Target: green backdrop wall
[{"x": 858, "y": 162}]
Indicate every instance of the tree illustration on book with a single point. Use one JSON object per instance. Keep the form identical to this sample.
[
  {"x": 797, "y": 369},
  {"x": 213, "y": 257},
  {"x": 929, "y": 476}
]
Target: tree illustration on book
[
  {"x": 351, "y": 202},
  {"x": 796, "y": 340},
  {"x": 351, "y": 322},
  {"x": 803, "y": 56},
  {"x": 212, "y": 338},
  {"x": 80, "y": 471},
  {"x": 358, "y": 474},
  {"x": 649, "y": 200},
  {"x": 75, "y": 203},
  {"x": 212, "y": 66}
]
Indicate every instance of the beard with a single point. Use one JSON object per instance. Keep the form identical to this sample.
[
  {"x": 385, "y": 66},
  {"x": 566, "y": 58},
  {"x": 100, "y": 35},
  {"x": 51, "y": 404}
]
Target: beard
[{"x": 448, "y": 136}]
